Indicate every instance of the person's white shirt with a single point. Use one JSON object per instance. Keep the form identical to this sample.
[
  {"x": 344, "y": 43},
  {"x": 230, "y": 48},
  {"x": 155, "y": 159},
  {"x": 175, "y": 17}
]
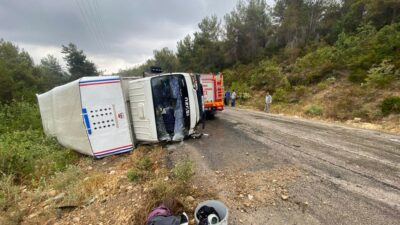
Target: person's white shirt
[
  {"x": 233, "y": 96},
  {"x": 268, "y": 99}
]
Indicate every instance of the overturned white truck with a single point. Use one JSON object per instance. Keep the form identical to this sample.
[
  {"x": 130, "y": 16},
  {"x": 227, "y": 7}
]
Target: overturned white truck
[{"x": 101, "y": 116}]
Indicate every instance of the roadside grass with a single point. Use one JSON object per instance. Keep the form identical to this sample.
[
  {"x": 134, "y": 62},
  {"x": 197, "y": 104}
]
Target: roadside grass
[
  {"x": 81, "y": 192},
  {"x": 163, "y": 181},
  {"x": 28, "y": 159},
  {"x": 314, "y": 110},
  {"x": 134, "y": 175},
  {"x": 30, "y": 156},
  {"x": 143, "y": 163},
  {"x": 183, "y": 171},
  {"x": 25, "y": 152},
  {"x": 77, "y": 185},
  {"x": 9, "y": 192}
]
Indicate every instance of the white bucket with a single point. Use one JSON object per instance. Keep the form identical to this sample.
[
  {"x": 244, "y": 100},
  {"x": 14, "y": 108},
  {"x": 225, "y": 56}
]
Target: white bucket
[{"x": 222, "y": 210}]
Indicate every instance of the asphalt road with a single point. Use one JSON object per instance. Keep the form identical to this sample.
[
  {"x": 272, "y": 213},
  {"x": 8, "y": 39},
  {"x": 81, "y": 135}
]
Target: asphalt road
[{"x": 351, "y": 176}]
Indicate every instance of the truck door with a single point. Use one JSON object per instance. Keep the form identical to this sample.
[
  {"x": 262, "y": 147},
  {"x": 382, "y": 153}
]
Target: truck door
[{"x": 105, "y": 116}]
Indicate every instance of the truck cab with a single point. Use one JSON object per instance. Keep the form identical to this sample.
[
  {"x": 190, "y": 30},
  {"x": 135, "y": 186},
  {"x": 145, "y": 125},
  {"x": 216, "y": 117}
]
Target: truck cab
[{"x": 165, "y": 107}]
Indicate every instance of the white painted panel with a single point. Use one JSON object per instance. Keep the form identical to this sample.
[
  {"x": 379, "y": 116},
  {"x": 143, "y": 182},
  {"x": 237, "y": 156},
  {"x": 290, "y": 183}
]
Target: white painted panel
[
  {"x": 142, "y": 110},
  {"x": 61, "y": 114},
  {"x": 105, "y": 115}
]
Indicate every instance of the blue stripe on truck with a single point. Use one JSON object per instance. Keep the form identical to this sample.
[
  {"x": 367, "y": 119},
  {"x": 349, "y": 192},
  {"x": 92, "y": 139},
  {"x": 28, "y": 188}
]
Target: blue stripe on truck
[{"x": 86, "y": 120}]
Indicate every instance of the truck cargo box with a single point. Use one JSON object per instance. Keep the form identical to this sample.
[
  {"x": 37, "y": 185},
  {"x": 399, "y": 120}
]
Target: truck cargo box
[{"x": 88, "y": 115}]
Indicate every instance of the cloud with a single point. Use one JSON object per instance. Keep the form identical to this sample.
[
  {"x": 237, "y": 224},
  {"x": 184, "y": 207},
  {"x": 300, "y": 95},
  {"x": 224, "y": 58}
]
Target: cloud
[{"x": 113, "y": 34}]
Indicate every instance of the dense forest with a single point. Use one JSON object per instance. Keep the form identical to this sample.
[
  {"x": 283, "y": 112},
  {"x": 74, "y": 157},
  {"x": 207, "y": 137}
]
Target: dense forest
[{"x": 331, "y": 58}]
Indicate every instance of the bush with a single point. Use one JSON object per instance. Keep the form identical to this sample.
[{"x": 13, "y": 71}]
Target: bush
[
  {"x": 368, "y": 46},
  {"x": 391, "y": 105},
  {"x": 19, "y": 116},
  {"x": 134, "y": 175},
  {"x": 300, "y": 90},
  {"x": 314, "y": 110},
  {"x": 322, "y": 86},
  {"x": 357, "y": 76},
  {"x": 268, "y": 75},
  {"x": 183, "y": 171},
  {"x": 280, "y": 95},
  {"x": 331, "y": 80},
  {"x": 382, "y": 75},
  {"x": 144, "y": 163},
  {"x": 29, "y": 155},
  {"x": 314, "y": 66},
  {"x": 241, "y": 89},
  {"x": 25, "y": 152}
]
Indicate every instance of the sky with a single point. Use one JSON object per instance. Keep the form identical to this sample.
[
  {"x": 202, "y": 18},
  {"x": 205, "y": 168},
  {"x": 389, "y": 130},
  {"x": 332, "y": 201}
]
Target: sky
[{"x": 114, "y": 34}]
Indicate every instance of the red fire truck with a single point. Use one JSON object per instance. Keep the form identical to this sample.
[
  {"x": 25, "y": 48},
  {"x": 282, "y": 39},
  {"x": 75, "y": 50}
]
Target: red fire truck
[{"x": 213, "y": 92}]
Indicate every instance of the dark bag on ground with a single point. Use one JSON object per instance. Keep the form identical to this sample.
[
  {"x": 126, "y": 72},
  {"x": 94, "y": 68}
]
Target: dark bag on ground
[{"x": 164, "y": 220}]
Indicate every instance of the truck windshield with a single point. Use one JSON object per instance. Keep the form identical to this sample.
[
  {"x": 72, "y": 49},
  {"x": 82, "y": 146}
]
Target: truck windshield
[{"x": 172, "y": 109}]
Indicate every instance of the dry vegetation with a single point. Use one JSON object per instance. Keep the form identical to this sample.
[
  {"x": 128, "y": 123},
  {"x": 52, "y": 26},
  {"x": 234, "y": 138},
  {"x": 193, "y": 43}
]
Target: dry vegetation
[
  {"x": 105, "y": 191},
  {"x": 340, "y": 101}
]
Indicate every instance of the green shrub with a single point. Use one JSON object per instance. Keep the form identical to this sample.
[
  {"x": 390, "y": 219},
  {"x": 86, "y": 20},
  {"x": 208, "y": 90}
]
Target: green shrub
[
  {"x": 144, "y": 163},
  {"x": 382, "y": 75},
  {"x": 268, "y": 75},
  {"x": 322, "y": 86},
  {"x": 300, "y": 90},
  {"x": 19, "y": 116},
  {"x": 367, "y": 47},
  {"x": 183, "y": 171},
  {"x": 25, "y": 152},
  {"x": 331, "y": 80},
  {"x": 134, "y": 175},
  {"x": 241, "y": 89},
  {"x": 314, "y": 66},
  {"x": 391, "y": 105},
  {"x": 29, "y": 155},
  {"x": 280, "y": 95},
  {"x": 314, "y": 110},
  {"x": 357, "y": 76}
]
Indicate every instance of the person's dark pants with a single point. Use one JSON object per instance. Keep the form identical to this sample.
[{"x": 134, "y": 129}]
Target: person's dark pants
[{"x": 233, "y": 102}]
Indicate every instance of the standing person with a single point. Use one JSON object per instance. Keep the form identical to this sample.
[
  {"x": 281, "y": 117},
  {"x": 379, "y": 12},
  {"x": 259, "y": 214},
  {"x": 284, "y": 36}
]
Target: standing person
[
  {"x": 227, "y": 97},
  {"x": 233, "y": 98},
  {"x": 268, "y": 101}
]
